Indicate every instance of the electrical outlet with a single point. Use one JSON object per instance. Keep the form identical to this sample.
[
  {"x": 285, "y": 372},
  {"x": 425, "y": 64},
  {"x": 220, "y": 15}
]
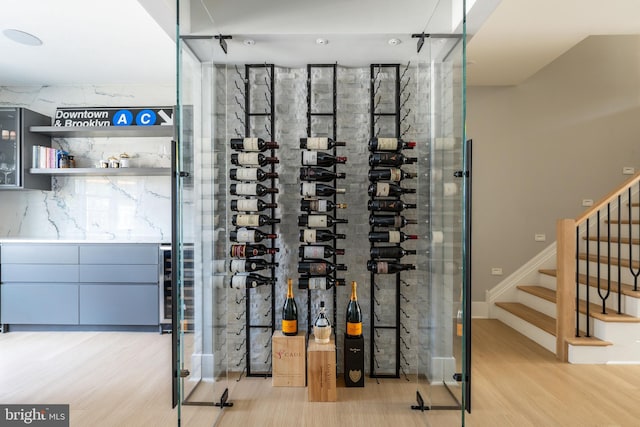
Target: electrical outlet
[
  {"x": 587, "y": 202},
  {"x": 628, "y": 170},
  {"x": 540, "y": 237},
  {"x": 496, "y": 271}
]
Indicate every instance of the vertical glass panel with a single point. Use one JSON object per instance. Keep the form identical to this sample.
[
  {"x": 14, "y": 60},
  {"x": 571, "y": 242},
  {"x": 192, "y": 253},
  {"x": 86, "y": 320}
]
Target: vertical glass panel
[{"x": 9, "y": 154}]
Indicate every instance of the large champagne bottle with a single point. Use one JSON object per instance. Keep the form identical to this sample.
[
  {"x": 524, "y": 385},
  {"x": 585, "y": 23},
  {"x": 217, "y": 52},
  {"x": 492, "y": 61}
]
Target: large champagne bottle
[
  {"x": 354, "y": 315},
  {"x": 252, "y": 144},
  {"x": 320, "y": 143},
  {"x": 290, "y": 312}
]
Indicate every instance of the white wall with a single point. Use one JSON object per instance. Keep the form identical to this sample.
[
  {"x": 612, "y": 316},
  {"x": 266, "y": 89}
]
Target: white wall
[{"x": 543, "y": 146}]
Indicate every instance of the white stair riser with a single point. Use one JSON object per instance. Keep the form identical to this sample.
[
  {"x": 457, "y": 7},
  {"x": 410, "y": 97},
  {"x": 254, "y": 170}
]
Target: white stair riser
[
  {"x": 594, "y": 297},
  {"x": 625, "y": 272},
  {"x": 537, "y": 303},
  {"x": 547, "y": 281},
  {"x": 631, "y": 306},
  {"x": 588, "y": 354},
  {"x": 624, "y": 250},
  {"x": 534, "y": 333},
  {"x": 625, "y": 338}
]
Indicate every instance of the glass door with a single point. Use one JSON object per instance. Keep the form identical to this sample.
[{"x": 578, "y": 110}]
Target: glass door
[{"x": 9, "y": 147}]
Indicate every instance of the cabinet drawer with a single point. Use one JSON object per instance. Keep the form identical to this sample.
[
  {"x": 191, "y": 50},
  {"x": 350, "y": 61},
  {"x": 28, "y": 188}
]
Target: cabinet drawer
[
  {"x": 119, "y": 254},
  {"x": 39, "y": 304},
  {"x": 119, "y": 273},
  {"x": 39, "y": 273},
  {"x": 39, "y": 254},
  {"x": 119, "y": 305}
]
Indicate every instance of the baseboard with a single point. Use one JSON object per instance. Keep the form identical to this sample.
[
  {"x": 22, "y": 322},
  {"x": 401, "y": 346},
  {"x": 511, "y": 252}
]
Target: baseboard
[{"x": 479, "y": 309}]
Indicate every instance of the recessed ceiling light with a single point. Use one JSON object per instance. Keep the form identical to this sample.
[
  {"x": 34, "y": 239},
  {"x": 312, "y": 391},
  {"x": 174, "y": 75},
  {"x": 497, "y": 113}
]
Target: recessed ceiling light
[
  {"x": 322, "y": 41},
  {"x": 22, "y": 37},
  {"x": 394, "y": 42},
  {"x": 249, "y": 42}
]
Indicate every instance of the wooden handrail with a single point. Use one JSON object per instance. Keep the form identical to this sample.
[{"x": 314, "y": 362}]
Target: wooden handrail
[{"x": 608, "y": 198}]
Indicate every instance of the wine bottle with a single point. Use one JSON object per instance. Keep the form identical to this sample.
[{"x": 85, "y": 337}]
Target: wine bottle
[
  {"x": 322, "y": 326},
  {"x": 390, "y": 236},
  {"x": 319, "y": 221},
  {"x": 318, "y": 251},
  {"x": 250, "y": 190},
  {"x": 395, "y": 221},
  {"x": 313, "y": 189},
  {"x": 319, "y": 268},
  {"x": 319, "y": 143},
  {"x": 315, "y": 205},
  {"x": 389, "y": 205},
  {"x": 290, "y": 312},
  {"x": 248, "y": 251},
  {"x": 319, "y": 174},
  {"x": 250, "y": 174},
  {"x": 391, "y": 174},
  {"x": 251, "y": 205},
  {"x": 318, "y": 158},
  {"x": 389, "y": 252},
  {"x": 252, "y": 144},
  {"x": 250, "y": 280},
  {"x": 248, "y": 265},
  {"x": 242, "y": 220},
  {"x": 385, "y": 267},
  {"x": 320, "y": 283},
  {"x": 313, "y": 236},
  {"x": 389, "y": 144},
  {"x": 252, "y": 159},
  {"x": 249, "y": 235},
  {"x": 354, "y": 315},
  {"x": 385, "y": 189},
  {"x": 390, "y": 159}
]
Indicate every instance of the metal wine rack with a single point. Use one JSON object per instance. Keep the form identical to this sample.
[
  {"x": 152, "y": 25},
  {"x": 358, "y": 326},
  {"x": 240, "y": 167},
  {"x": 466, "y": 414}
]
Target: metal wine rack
[
  {"x": 329, "y": 115},
  {"x": 387, "y": 100}
]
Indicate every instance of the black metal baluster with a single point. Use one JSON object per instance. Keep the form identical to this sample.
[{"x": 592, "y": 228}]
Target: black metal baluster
[
  {"x": 606, "y": 296},
  {"x": 577, "y": 280},
  {"x": 587, "y": 283}
]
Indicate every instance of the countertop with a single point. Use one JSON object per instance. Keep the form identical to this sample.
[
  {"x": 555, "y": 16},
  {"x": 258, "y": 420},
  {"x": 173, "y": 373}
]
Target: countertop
[{"x": 146, "y": 240}]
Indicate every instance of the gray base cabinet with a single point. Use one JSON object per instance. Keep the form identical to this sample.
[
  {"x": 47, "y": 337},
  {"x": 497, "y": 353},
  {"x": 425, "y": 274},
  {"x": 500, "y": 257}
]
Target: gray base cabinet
[{"x": 80, "y": 284}]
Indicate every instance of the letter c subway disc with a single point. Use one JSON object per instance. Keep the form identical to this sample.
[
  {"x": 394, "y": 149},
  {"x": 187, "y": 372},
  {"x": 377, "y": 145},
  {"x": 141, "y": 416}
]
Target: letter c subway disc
[
  {"x": 122, "y": 118},
  {"x": 146, "y": 118}
]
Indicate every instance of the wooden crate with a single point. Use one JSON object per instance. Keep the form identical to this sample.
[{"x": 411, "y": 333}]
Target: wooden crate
[
  {"x": 321, "y": 371},
  {"x": 289, "y": 360}
]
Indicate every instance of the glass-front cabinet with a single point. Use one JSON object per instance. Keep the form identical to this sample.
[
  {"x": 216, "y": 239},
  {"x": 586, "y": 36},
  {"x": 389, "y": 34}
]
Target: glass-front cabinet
[
  {"x": 327, "y": 159},
  {"x": 16, "y": 149}
]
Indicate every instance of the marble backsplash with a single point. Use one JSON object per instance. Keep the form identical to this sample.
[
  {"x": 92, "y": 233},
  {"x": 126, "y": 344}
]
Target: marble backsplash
[{"x": 113, "y": 208}]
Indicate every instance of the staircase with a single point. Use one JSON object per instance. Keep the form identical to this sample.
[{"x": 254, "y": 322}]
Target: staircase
[{"x": 597, "y": 258}]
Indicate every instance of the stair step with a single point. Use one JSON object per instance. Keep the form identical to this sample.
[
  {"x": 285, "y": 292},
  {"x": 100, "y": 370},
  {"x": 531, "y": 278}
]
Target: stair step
[
  {"x": 614, "y": 239},
  {"x": 593, "y": 282},
  {"x": 540, "y": 320},
  {"x": 595, "y": 310},
  {"x": 587, "y": 341},
  {"x": 614, "y": 261}
]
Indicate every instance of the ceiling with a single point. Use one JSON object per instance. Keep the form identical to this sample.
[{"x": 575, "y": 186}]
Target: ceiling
[{"x": 131, "y": 41}]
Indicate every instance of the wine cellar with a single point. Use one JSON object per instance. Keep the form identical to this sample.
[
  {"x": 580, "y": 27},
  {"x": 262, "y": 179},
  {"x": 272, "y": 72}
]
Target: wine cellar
[{"x": 325, "y": 174}]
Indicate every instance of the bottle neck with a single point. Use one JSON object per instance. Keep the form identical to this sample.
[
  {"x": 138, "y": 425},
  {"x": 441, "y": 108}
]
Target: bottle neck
[
  {"x": 354, "y": 295},
  {"x": 290, "y": 289}
]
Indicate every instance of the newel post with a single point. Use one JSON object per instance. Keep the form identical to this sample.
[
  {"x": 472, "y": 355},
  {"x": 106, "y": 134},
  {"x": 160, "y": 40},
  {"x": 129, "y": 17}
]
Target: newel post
[{"x": 566, "y": 285}]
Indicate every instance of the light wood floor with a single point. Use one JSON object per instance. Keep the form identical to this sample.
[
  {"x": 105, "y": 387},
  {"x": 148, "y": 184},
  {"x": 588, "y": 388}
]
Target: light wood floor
[{"x": 122, "y": 379}]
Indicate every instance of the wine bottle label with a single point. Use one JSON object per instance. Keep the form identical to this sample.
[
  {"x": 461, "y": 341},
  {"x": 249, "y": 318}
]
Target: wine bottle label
[
  {"x": 313, "y": 252},
  {"x": 238, "y": 251},
  {"x": 309, "y": 236},
  {"x": 248, "y": 220},
  {"x": 317, "y": 221},
  {"x": 250, "y": 144},
  {"x": 394, "y": 237},
  {"x": 246, "y": 189},
  {"x": 238, "y": 266},
  {"x": 245, "y": 236},
  {"x": 320, "y": 205},
  {"x": 248, "y": 159},
  {"x": 289, "y": 326},
  {"x": 318, "y": 268},
  {"x": 396, "y": 174},
  {"x": 308, "y": 189},
  {"x": 382, "y": 267},
  {"x": 387, "y": 144},
  {"x": 247, "y": 174},
  {"x": 238, "y": 282},
  {"x": 382, "y": 189},
  {"x": 309, "y": 158},
  {"x": 317, "y": 143},
  {"x": 354, "y": 329},
  {"x": 317, "y": 283},
  {"x": 397, "y": 221},
  {"x": 248, "y": 205}
]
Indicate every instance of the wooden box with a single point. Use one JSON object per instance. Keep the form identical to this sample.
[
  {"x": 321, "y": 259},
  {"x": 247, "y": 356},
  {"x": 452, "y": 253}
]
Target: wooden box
[
  {"x": 289, "y": 361},
  {"x": 353, "y": 362},
  {"x": 321, "y": 371}
]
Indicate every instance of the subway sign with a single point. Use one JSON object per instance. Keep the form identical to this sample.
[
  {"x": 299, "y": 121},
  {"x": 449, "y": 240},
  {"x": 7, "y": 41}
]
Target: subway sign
[{"x": 113, "y": 116}]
